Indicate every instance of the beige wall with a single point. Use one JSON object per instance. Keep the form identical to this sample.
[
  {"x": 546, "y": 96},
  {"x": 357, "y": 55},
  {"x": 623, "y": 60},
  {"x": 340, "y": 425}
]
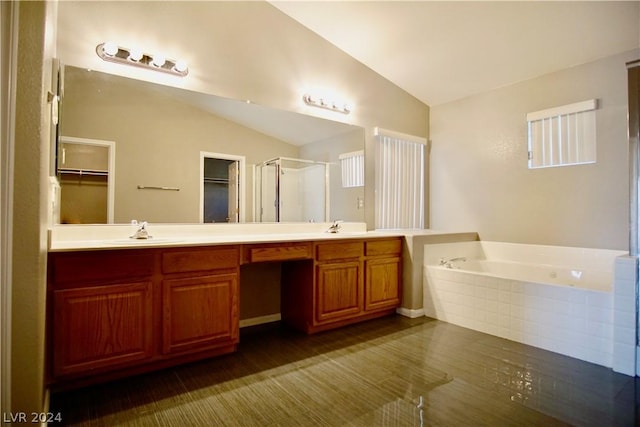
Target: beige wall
[
  {"x": 32, "y": 138},
  {"x": 479, "y": 175}
]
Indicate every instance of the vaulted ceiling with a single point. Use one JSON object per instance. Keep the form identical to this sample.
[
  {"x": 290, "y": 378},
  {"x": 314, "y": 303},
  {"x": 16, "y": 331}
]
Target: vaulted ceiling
[{"x": 440, "y": 51}]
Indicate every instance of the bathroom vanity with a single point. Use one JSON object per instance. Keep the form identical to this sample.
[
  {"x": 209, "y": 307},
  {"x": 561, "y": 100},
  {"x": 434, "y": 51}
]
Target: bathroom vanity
[{"x": 122, "y": 309}]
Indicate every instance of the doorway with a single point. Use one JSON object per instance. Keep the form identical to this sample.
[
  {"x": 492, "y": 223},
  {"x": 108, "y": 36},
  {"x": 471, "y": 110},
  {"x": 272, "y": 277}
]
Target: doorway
[
  {"x": 86, "y": 169},
  {"x": 221, "y": 188}
]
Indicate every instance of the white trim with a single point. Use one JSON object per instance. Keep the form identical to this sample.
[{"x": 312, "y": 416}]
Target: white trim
[
  {"x": 327, "y": 194},
  {"x": 269, "y": 318},
  {"x": 8, "y": 118},
  {"x": 377, "y": 131},
  {"x": 241, "y": 167},
  {"x": 254, "y": 194},
  {"x": 410, "y": 312},
  {"x": 563, "y": 110},
  {"x": 111, "y": 175},
  {"x": 351, "y": 154}
]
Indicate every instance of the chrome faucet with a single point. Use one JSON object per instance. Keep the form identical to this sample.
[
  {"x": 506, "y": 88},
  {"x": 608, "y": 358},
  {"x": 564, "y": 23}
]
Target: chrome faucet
[
  {"x": 141, "y": 232},
  {"x": 449, "y": 262},
  {"x": 335, "y": 227}
]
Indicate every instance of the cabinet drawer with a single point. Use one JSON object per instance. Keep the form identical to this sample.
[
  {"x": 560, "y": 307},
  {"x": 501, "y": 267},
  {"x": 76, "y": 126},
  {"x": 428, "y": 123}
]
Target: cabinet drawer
[
  {"x": 183, "y": 261},
  {"x": 102, "y": 266},
  {"x": 383, "y": 247},
  {"x": 278, "y": 252},
  {"x": 343, "y": 250}
]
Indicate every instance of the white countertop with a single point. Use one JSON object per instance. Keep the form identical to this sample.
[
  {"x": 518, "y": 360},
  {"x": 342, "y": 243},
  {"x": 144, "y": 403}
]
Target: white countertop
[
  {"x": 63, "y": 238},
  {"x": 91, "y": 237}
]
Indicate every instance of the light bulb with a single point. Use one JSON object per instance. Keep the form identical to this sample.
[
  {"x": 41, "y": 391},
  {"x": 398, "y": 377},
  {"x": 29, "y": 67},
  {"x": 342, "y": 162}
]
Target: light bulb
[
  {"x": 180, "y": 66},
  {"x": 135, "y": 54},
  {"x": 158, "y": 60},
  {"x": 110, "y": 48}
]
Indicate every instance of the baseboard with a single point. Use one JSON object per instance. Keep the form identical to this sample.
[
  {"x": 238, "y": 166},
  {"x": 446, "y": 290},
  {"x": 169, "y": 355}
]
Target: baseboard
[
  {"x": 49, "y": 418},
  {"x": 253, "y": 321},
  {"x": 260, "y": 320},
  {"x": 410, "y": 312}
]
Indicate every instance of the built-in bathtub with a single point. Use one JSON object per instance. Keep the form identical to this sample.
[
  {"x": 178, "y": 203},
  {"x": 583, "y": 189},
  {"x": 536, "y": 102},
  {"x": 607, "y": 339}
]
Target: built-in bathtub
[{"x": 556, "y": 298}]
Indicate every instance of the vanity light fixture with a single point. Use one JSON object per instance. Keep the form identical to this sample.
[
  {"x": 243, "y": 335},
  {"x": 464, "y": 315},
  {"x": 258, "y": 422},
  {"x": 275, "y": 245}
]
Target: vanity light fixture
[
  {"x": 111, "y": 52},
  {"x": 340, "y": 107}
]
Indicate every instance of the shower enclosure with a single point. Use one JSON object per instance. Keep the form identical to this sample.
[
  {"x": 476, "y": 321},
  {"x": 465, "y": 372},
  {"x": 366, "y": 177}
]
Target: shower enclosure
[{"x": 292, "y": 190}]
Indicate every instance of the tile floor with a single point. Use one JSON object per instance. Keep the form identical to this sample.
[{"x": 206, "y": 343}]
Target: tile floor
[{"x": 393, "y": 371}]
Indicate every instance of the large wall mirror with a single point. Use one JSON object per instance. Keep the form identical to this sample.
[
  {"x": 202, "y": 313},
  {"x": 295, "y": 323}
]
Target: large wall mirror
[{"x": 165, "y": 152}]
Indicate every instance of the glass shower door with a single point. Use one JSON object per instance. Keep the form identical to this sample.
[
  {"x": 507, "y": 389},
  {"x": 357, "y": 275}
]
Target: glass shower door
[
  {"x": 292, "y": 190},
  {"x": 267, "y": 202}
]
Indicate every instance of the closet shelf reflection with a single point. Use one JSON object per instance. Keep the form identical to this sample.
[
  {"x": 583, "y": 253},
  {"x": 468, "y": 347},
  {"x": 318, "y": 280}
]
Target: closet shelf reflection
[
  {"x": 216, "y": 180},
  {"x": 92, "y": 172}
]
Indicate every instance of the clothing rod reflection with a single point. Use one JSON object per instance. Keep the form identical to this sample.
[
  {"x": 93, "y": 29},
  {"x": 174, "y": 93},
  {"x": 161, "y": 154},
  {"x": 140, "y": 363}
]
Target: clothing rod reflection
[{"x": 151, "y": 187}]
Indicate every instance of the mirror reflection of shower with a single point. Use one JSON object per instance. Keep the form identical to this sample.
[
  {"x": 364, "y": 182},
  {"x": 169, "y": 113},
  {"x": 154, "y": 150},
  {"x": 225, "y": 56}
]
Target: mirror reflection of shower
[{"x": 292, "y": 190}]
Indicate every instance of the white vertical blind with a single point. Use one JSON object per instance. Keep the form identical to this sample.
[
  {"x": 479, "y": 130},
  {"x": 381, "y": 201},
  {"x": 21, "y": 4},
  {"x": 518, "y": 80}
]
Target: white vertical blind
[
  {"x": 562, "y": 136},
  {"x": 352, "y": 168},
  {"x": 399, "y": 181}
]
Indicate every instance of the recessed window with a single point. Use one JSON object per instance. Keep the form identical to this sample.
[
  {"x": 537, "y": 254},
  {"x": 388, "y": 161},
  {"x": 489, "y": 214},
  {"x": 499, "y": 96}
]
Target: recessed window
[
  {"x": 352, "y": 168},
  {"x": 399, "y": 180},
  {"x": 562, "y": 136}
]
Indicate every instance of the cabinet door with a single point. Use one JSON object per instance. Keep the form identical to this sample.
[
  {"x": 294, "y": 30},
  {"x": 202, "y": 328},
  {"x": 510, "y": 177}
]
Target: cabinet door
[
  {"x": 382, "y": 283},
  {"x": 101, "y": 326},
  {"x": 338, "y": 291},
  {"x": 200, "y": 312}
]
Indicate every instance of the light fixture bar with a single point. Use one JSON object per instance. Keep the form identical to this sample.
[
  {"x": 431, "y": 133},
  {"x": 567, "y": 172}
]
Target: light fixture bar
[
  {"x": 326, "y": 104},
  {"x": 110, "y": 52}
]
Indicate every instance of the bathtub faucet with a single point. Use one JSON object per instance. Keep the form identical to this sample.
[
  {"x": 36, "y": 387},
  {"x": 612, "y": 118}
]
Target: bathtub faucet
[{"x": 449, "y": 262}]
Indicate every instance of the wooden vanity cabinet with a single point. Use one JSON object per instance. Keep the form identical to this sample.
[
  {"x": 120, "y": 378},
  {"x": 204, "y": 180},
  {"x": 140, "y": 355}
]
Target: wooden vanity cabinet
[
  {"x": 347, "y": 282},
  {"x": 200, "y": 294},
  {"x": 339, "y": 282},
  {"x": 101, "y": 310},
  {"x": 113, "y": 313},
  {"x": 383, "y": 274}
]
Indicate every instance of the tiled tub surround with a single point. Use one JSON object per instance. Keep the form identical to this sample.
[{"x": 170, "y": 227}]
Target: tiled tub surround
[{"x": 517, "y": 292}]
